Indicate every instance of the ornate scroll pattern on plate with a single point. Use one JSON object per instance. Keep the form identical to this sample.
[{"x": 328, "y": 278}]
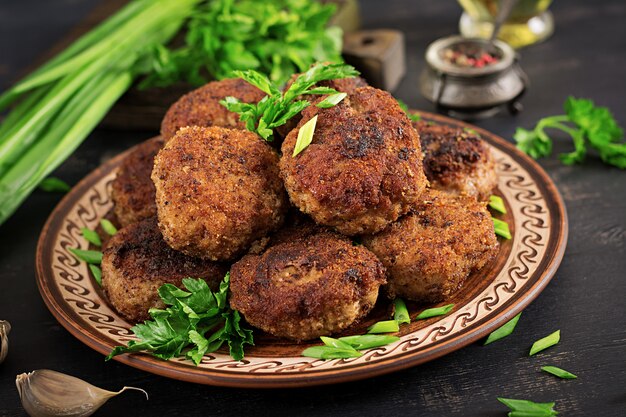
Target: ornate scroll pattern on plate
[{"x": 531, "y": 233}]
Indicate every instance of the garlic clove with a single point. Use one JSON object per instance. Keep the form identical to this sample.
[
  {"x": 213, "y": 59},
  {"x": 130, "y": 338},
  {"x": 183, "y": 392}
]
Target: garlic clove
[
  {"x": 5, "y": 328},
  {"x": 46, "y": 393}
]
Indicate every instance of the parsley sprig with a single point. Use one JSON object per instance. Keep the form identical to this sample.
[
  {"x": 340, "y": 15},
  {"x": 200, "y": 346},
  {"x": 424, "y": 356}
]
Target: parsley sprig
[
  {"x": 587, "y": 124},
  {"x": 274, "y": 37},
  {"x": 276, "y": 108},
  {"x": 197, "y": 317}
]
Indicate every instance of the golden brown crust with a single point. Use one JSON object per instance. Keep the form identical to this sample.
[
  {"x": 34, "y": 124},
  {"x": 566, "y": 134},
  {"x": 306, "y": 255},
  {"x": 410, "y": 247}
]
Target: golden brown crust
[
  {"x": 137, "y": 261},
  {"x": 217, "y": 191},
  {"x": 201, "y": 107},
  {"x": 457, "y": 160},
  {"x": 363, "y": 169},
  {"x": 132, "y": 190},
  {"x": 307, "y": 286},
  {"x": 344, "y": 85},
  {"x": 429, "y": 253}
]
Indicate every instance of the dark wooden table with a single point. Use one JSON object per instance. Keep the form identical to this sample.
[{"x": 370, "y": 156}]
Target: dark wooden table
[{"x": 586, "y": 300}]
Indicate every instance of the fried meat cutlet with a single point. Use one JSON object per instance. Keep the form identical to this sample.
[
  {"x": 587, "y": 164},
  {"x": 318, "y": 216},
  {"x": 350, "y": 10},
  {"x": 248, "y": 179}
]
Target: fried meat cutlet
[
  {"x": 217, "y": 191},
  {"x": 132, "y": 190},
  {"x": 430, "y": 252},
  {"x": 363, "y": 168},
  {"x": 457, "y": 160},
  {"x": 201, "y": 107},
  {"x": 136, "y": 261},
  {"x": 306, "y": 286}
]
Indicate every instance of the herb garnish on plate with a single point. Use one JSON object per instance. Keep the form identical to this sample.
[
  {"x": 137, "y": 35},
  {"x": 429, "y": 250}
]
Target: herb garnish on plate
[{"x": 197, "y": 317}]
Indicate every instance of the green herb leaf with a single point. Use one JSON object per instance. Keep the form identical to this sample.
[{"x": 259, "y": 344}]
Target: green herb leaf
[
  {"x": 331, "y": 101},
  {"x": 542, "y": 344},
  {"x": 561, "y": 373},
  {"x": 414, "y": 117},
  {"x": 305, "y": 136},
  {"x": 501, "y": 228},
  {"x": 400, "y": 312},
  {"x": 91, "y": 236},
  {"x": 97, "y": 273},
  {"x": 434, "y": 312},
  {"x": 54, "y": 185},
  {"x": 276, "y": 109},
  {"x": 89, "y": 256},
  {"x": 594, "y": 126},
  {"x": 528, "y": 408},
  {"x": 387, "y": 326},
  {"x": 274, "y": 37},
  {"x": 497, "y": 203},
  {"x": 108, "y": 227},
  {"x": 327, "y": 352},
  {"x": 198, "y": 317},
  {"x": 368, "y": 341},
  {"x": 336, "y": 343},
  {"x": 503, "y": 331}
]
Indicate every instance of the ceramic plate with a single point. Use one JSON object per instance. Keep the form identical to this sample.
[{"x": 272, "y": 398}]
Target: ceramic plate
[{"x": 524, "y": 266}]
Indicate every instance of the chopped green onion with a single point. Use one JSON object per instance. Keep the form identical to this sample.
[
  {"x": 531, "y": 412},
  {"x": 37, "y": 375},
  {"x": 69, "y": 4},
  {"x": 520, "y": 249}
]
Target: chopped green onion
[
  {"x": 521, "y": 408},
  {"x": 368, "y": 341},
  {"x": 331, "y": 101},
  {"x": 497, "y": 203},
  {"x": 97, "y": 273},
  {"x": 54, "y": 185},
  {"x": 305, "y": 136},
  {"x": 326, "y": 352},
  {"x": 388, "y": 326},
  {"x": 542, "y": 344},
  {"x": 336, "y": 343},
  {"x": 434, "y": 312},
  {"x": 91, "y": 236},
  {"x": 400, "y": 312},
  {"x": 108, "y": 227},
  {"x": 501, "y": 228},
  {"x": 504, "y": 330},
  {"x": 561, "y": 373},
  {"x": 89, "y": 256}
]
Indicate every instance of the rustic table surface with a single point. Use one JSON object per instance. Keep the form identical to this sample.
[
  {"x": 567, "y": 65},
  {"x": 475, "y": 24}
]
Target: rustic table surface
[{"x": 586, "y": 300}]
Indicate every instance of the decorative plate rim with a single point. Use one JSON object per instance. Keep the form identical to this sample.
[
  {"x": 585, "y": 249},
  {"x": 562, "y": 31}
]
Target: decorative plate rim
[{"x": 546, "y": 268}]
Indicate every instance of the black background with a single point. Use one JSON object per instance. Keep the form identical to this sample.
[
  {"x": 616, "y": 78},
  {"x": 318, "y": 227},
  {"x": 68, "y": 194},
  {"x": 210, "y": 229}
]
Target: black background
[{"x": 586, "y": 57}]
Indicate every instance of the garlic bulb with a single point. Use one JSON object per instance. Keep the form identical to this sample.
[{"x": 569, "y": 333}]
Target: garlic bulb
[
  {"x": 46, "y": 393},
  {"x": 5, "y": 328}
]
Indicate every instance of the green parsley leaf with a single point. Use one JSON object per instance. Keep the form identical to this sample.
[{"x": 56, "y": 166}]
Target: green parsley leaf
[
  {"x": 91, "y": 236},
  {"x": 274, "y": 37},
  {"x": 97, "y": 273},
  {"x": 414, "y": 117},
  {"x": 501, "y": 228},
  {"x": 196, "y": 316},
  {"x": 108, "y": 227},
  {"x": 504, "y": 330},
  {"x": 587, "y": 125},
  {"x": 434, "y": 312},
  {"x": 542, "y": 344},
  {"x": 368, "y": 341},
  {"x": 327, "y": 352},
  {"x": 521, "y": 408},
  {"x": 305, "y": 136},
  {"x": 89, "y": 256},
  {"x": 561, "y": 373},
  {"x": 331, "y": 100},
  {"x": 54, "y": 185},
  {"x": 277, "y": 108},
  {"x": 387, "y": 326},
  {"x": 400, "y": 312},
  {"x": 497, "y": 204}
]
